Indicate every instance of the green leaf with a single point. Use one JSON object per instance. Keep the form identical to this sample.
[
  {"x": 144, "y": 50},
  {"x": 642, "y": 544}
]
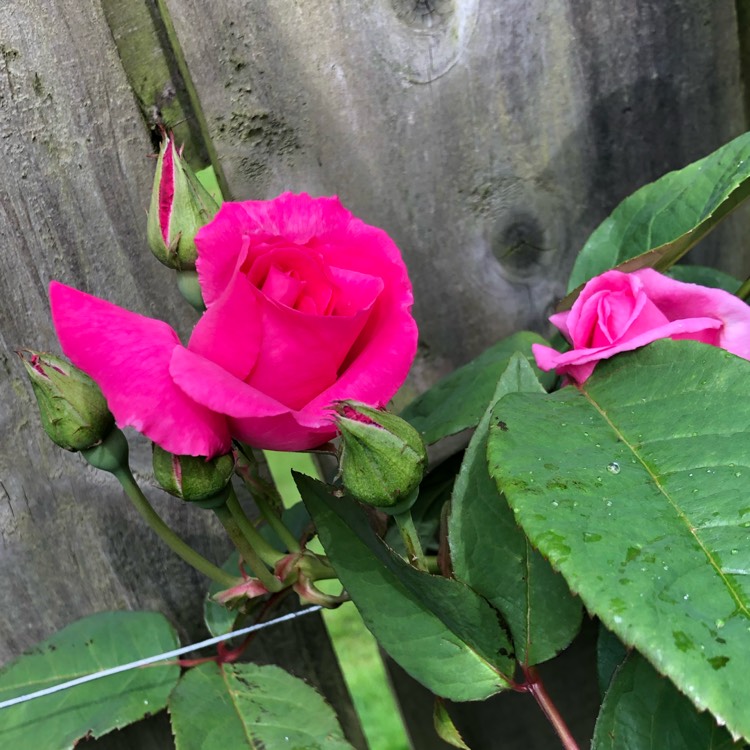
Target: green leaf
[
  {"x": 644, "y": 711},
  {"x": 459, "y": 400},
  {"x": 90, "y": 645},
  {"x": 658, "y": 224},
  {"x": 218, "y": 707},
  {"x": 437, "y": 629},
  {"x": 492, "y": 555},
  {"x": 635, "y": 488},
  {"x": 610, "y": 653},
  {"x": 705, "y": 276},
  {"x": 444, "y": 726}
]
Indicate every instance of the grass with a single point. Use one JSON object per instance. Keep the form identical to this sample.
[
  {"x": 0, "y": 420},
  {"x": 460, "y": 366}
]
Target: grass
[{"x": 355, "y": 647}]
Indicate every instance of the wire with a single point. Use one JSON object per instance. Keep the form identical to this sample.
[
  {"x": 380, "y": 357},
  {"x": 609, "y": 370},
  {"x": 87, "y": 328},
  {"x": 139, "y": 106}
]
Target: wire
[{"x": 159, "y": 657}]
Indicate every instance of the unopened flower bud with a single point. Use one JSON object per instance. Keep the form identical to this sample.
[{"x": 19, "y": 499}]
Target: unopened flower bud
[
  {"x": 194, "y": 478},
  {"x": 180, "y": 206},
  {"x": 383, "y": 458},
  {"x": 73, "y": 410}
]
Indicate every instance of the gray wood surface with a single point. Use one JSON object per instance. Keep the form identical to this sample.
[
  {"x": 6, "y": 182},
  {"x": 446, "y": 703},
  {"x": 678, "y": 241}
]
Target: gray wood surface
[
  {"x": 489, "y": 138},
  {"x": 76, "y": 184}
]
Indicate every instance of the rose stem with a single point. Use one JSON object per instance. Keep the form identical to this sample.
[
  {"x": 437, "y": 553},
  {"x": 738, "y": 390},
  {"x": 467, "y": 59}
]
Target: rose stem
[
  {"x": 249, "y": 555},
  {"x": 408, "y": 531},
  {"x": 535, "y": 686},
  {"x": 269, "y": 554},
  {"x": 744, "y": 291},
  {"x": 177, "y": 545},
  {"x": 258, "y": 491}
]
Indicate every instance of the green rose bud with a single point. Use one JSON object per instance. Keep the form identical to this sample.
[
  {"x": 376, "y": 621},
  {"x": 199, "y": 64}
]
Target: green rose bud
[
  {"x": 180, "y": 206},
  {"x": 73, "y": 410},
  {"x": 383, "y": 458},
  {"x": 194, "y": 478}
]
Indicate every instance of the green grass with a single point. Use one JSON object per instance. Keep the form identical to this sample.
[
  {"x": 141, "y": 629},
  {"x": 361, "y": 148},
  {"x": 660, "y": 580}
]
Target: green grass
[{"x": 355, "y": 647}]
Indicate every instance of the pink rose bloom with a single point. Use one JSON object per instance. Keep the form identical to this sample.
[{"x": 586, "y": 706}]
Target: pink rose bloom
[
  {"x": 306, "y": 305},
  {"x": 617, "y": 312}
]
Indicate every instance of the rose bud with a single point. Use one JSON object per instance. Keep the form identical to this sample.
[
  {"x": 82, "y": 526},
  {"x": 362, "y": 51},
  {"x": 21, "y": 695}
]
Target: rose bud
[
  {"x": 383, "y": 458},
  {"x": 193, "y": 478},
  {"x": 73, "y": 410},
  {"x": 180, "y": 206}
]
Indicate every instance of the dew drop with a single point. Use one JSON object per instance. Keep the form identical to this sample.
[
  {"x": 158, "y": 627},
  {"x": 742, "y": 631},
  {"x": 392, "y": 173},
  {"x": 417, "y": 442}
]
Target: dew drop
[
  {"x": 613, "y": 468},
  {"x": 734, "y": 552},
  {"x": 719, "y": 624},
  {"x": 555, "y": 503},
  {"x": 686, "y": 597},
  {"x": 738, "y": 473}
]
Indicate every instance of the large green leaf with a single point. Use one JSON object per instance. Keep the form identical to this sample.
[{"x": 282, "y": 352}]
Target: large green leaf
[
  {"x": 491, "y": 554},
  {"x": 459, "y": 400},
  {"x": 635, "y": 488},
  {"x": 92, "y": 644},
  {"x": 236, "y": 706},
  {"x": 667, "y": 217},
  {"x": 437, "y": 629},
  {"x": 644, "y": 711}
]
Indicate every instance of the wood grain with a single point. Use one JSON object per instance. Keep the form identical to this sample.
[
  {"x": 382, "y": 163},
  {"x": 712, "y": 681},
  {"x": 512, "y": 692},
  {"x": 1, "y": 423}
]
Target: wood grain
[
  {"x": 76, "y": 184},
  {"x": 488, "y": 138}
]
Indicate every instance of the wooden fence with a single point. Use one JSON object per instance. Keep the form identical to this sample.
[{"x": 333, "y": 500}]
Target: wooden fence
[{"x": 488, "y": 137}]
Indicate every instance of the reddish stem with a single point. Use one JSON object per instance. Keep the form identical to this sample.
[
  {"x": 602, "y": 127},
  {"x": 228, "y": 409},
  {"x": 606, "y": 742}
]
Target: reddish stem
[
  {"x": 535, "y": 686},
  {"x": 227, "y": 655}
]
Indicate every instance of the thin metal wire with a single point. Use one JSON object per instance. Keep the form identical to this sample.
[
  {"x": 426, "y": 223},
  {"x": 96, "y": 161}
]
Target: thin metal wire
[{"x": 159, "y": 657}]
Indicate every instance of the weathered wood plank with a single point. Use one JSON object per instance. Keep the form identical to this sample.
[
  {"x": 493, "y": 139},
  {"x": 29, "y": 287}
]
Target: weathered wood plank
[
  {"x": 76, "y": 185},
  {"x": 488, "y": 138}
]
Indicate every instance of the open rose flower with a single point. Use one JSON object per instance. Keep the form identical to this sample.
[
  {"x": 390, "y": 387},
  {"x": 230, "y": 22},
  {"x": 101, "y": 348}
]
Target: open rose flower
[
  {"x": 306, "y": 305},
  {"x": 617, "y": 312}
]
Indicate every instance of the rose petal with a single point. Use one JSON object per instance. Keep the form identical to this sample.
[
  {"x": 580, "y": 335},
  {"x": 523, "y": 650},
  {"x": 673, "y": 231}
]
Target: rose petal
[
  {"x": 354, "y": 291},
  {"x": 128, "y": 356},
  {"x": 254, "y": 417},
  {"x": 212, "y": 386},
  {"x": 285, "y": 432},
  {"x": 219, "y": 245},
  {"x": 678, "y": 299},
  {"x": 375, "y": 369},
  {"x": 578, "y": 364},
  {"x": 296, "y": 219},
  {"x": 229, "y": 332},
  {"x": 300, "y": 354}
]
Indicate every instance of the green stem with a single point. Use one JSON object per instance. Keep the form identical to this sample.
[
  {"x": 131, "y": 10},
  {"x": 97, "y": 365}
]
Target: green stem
[
  {"x": 177, "y": 545},
  {"x": 744, "y": 291},
  {"x": 260, "y": 490},
  {"x": 279, "y": 527},
  {"x": 269, "y": 554},
  {"x": 249, "y": 556},
  {"x": 408, "y": 531}
]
